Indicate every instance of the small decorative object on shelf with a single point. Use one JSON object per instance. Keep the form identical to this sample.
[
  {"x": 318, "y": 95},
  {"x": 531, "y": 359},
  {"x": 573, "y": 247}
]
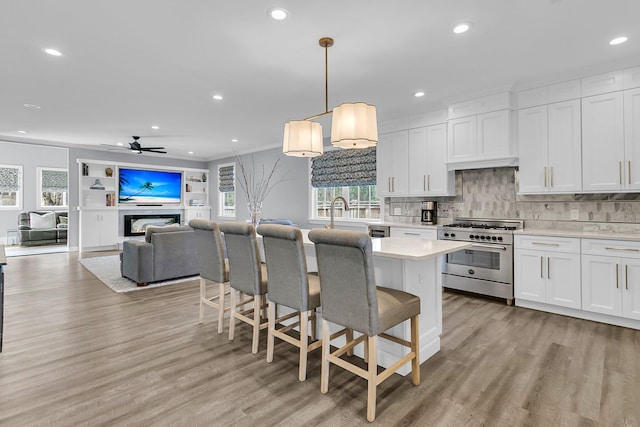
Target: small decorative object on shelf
[
  {"x": 188, "y": 189},
  {"x": 108, "y": 172},
  {"x": 97, "y": 185},
  {"x": 196, "y": 202},
  {"x": 194, "y": 179},
  {"x": 110, "y": 199},
  {"x": 204, "y": 177},
  {"x": 85, "y": 169}
]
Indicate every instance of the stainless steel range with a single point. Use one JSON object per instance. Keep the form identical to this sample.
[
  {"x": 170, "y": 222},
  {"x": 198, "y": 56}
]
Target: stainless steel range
[{"x": 487, "y": 267}]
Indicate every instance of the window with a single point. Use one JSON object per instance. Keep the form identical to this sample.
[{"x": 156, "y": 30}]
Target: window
[
  {"x": 363, "y": 202},
  {"x": 10, "y": 187},
  {"x": 54, "y": 188},
  {"x": 350, "y": 174},
  {"x": 226, "y": 190}
]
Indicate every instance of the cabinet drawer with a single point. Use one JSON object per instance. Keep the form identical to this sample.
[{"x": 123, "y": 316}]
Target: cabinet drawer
[
  {"x": 547, "y": 243},
  {"x": 419, "y": 233},
  {"x": 618, "y": 248}
]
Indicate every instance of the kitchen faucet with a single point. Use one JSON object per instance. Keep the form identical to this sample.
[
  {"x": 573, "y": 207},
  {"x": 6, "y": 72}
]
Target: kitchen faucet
[{"x": 333, "y": 202}]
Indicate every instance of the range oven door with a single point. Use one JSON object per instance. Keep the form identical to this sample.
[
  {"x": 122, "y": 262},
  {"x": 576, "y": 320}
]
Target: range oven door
[{"x": 493, "y": 262}]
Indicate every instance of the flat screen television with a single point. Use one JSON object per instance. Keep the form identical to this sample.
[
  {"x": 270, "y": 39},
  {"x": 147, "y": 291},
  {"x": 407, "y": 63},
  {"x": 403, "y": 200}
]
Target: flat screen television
[{"x": 149, "y": 187}]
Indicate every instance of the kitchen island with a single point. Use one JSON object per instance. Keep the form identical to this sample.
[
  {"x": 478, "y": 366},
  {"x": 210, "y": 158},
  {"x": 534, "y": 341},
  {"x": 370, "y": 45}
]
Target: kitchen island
[{"x": 412, "y": 265}]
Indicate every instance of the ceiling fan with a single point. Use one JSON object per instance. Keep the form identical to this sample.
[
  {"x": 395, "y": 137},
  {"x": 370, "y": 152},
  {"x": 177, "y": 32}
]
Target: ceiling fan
[{"x": 137, "y": 148}]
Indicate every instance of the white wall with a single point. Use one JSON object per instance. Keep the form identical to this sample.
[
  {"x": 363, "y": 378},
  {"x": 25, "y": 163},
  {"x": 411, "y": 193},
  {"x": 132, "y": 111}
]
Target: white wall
[{"x": 30, "y": 157}]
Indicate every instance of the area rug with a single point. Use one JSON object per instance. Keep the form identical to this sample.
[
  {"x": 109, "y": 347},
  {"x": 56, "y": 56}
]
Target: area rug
[{"x": 107, "y": 269}]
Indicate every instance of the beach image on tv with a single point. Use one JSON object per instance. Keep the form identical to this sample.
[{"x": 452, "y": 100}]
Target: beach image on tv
[{"x": 149, "y": 186}]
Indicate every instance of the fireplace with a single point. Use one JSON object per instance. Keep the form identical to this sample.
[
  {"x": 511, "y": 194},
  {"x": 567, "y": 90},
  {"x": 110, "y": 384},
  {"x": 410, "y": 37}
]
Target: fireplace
[{"x": 136, "y": 225}]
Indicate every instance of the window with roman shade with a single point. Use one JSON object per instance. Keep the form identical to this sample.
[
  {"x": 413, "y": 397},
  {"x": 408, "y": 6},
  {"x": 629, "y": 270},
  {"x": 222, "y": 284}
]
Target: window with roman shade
[
  {"x": 226, "y": 190},
  {"x": 10, "y": 186},
  {"x": 350, "y": 174},
  {"x": 54, "y": 187}
]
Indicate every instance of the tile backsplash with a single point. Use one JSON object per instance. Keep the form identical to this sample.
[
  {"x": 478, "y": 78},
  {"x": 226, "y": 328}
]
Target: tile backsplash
[{"x": 491, "y": 193}]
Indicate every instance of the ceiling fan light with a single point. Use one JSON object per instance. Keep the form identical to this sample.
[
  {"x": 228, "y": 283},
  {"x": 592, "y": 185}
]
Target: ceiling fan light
[
  {"x": 302, "y": 138},
  {"x": 354, "y": 125}
]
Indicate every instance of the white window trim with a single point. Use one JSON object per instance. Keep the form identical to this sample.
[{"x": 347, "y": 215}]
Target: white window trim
[
  {"x": 20, "y": 189},
  {"x": 39, "y": 189},
  {"x": 221, "y": 194}
]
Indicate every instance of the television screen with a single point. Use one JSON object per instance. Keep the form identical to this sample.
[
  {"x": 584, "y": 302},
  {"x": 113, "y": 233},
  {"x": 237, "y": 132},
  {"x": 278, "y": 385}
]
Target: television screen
[{"x": 151, "y": 187}]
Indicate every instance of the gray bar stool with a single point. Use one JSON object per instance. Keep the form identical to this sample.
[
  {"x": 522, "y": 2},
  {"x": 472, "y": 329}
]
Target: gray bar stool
[
  {"x": 246, "y": 275},
  {"x": 290, "y": 285},
  {"x": 213, "y": 267},
  {"x": 350, "y": 298}
]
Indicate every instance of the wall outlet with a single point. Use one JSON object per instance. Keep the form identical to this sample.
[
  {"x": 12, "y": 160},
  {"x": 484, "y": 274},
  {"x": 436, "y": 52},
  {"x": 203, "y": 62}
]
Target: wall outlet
[
  {"x": 397, "y": 211},
  {"x": 575, "y": 214}
]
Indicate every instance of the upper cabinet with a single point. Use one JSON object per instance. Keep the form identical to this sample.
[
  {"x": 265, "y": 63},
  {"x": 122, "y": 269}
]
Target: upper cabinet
[
  {"x": 479, "y": 133},
  {"x": 550, "y": 148},
  {"x": 428, "y": 173},
  {"x": 392, "y": 155}
]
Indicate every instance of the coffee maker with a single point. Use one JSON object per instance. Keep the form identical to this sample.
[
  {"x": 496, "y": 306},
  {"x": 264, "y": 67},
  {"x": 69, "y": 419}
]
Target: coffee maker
[{"x": 429, "y": 213}]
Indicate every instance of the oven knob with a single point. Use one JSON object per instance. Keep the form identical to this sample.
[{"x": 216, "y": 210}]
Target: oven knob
[
  {"x": 453, "y": 235},
  {"x": 446, "y": 234},
  {"x": 471, "y": 236},
  {"x": 500, "y": 238},
  {"x": 471, "y": 272},
  {"x": 493, "y": 237},
  {"x": 482, "y": 237}
]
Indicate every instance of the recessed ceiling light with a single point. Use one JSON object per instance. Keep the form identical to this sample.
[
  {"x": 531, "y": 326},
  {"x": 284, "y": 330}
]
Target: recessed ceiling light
[
  {"x": 418, "y": 94},
  {"x": 463, "y": 27},
  {"x": 21, "y": 131},
  {"x": 190, "y": 152},
  {"x": 32, "y": 106},
  {"x": 278, "y": 13},
  {"x": 234, "y": 140},
  {"x": 120, "y": 144},
  {"x": 52, "y": 52},
  {"x": 618, "y": 40},
  {"x": 217, "y": 97},
  {"x": 155, "y": 127}
]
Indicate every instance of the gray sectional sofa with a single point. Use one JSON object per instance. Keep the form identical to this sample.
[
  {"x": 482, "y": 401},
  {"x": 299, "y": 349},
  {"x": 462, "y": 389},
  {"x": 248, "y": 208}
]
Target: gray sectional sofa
[
  {"x": 42, "y": 227},
  {"x": 166, "y": 253}
]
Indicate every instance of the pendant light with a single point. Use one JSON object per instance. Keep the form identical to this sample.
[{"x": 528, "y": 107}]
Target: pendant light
[{"x": 354, "y": 125}]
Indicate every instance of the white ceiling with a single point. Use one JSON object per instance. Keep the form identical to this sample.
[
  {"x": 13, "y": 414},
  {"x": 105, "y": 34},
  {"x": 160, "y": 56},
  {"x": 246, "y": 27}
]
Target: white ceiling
[{"x": 131, "y": 64}]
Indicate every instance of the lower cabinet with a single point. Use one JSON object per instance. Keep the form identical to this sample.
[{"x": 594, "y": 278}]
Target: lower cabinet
[
  {"x": 428, "y": 233},
  {"x": 190, "y": 214},
  {"x": 98, "y": 228},
  {"x": 547, "y": 270},
  {"x": 611, "y": 277}
]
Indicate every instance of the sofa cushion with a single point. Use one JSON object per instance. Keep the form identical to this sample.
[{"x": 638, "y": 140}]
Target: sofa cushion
[
  {"x": 152, "y": 229},
  {"x": 63, "y": 220},
  {"x": 45, "y": 221}
]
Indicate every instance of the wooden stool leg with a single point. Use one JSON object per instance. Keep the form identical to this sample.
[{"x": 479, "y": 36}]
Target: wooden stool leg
[
  {"x": 314, "y": 325},
  {"x": 415, "y": 347},
  {"x": 372, "y": 378},
  {"x": 232, "y": 314},
  {"x": 202, "y": 297},
  {"x": 324, "y": 370},
  {"x": 272, "y": 325},
  {"x": 349, "y": 338},
  {"x": 304, "y": 345},
  {"x": 257, "y": 302},
  {"x": 220, "y": 307}
]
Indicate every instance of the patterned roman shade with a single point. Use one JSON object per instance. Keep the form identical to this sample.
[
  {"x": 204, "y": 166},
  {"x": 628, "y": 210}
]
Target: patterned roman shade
[
  {"x": 9, "y": 179},
  {"x": 54, "y": 180},
  {"x": 226, "y": 179},
  {"x": 343, "y": 168}
]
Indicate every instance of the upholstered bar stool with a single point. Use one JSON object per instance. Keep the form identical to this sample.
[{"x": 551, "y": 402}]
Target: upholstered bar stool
[
  {"x": 350, "y": 298},
  {"x": 291, "y": 286},
  {"x": 213, "y": 267},
  {"x": 246, "y": 275}
]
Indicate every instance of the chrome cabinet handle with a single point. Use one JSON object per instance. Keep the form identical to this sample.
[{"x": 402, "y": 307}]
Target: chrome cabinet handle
[
  {"x": 617, "y": 275},
  {"x": 541, "y": 275},
  {"x": 551, "y": 173},
  {"x": 548, "y": 268},
  {"x": 623, "y": 249},
  {"x": 393, "y": 184},
  {"x": 545, "y": 176},
  {"x": 424, "y": 182},
  {"x": 428, "y": 182},
  {"x": 620, "y": 171},
  {"x": 626, "y": 276},
  {"x": 389, "y": 184},
  {"x": 629, "y": 171},
  {"x": 411, "y": 234},
  {"x": 545, "y": 244},
  {"x": 480, "y": 245}
]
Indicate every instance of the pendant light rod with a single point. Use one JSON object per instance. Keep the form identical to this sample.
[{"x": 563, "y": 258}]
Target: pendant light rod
[{"x": 326, "y": 43}]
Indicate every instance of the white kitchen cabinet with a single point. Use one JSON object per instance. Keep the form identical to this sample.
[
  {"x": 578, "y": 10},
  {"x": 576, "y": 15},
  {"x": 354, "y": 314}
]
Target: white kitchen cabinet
[
  {"x": 611, "y": 277},
  {"x": 632, "y": 138},
  {"x": 603, "y": 143},
  {"x": 481, "y": 138},
  {"x": 428, "y": 174},
  {"x": 98, "y": 229},
  {"x": 190, "y": 213},
  {"x": 547, "y": 270},
  {"x": 420, "y": 233},
  {"x": 549, "y": 138},
  {"x": 392, "y": 160}
]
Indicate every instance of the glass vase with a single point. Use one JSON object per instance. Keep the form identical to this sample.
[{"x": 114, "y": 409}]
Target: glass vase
[{"x": 255, "y": 208}]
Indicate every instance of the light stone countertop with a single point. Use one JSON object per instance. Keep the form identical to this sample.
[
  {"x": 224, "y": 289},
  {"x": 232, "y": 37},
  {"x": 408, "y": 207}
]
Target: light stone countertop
[
  {"x": 604, "y": 235},
  {"x": 405, "y": 225}
]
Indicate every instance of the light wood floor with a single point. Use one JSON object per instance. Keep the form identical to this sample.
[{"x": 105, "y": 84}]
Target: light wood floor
[{"x": 75, "y": 353}]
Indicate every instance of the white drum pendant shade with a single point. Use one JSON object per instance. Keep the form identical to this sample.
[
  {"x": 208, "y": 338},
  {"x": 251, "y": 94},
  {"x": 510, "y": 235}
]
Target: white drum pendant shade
[
  {"x": 354, "y": 125},
  {"x": 302, "y": 138}
]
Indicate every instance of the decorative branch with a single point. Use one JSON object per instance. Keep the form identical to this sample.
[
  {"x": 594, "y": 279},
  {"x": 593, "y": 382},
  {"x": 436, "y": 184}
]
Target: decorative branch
[{"x": 257, "y": 188}]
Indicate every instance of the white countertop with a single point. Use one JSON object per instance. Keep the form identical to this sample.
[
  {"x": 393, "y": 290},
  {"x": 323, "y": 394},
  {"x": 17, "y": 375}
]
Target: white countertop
[
  {"x": 407, "y": 247},
  {"x": 605, "y": 235},
  {"x": 405, "y": 225}
]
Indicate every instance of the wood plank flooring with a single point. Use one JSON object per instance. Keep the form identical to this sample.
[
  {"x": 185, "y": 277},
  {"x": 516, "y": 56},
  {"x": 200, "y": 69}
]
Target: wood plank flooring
[{"x": 77, "y": 354}]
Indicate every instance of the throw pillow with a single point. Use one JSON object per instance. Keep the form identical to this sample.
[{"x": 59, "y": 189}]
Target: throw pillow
[
  {"x": 63, "y": 220},
  {"x": 38, "y": 221}
]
